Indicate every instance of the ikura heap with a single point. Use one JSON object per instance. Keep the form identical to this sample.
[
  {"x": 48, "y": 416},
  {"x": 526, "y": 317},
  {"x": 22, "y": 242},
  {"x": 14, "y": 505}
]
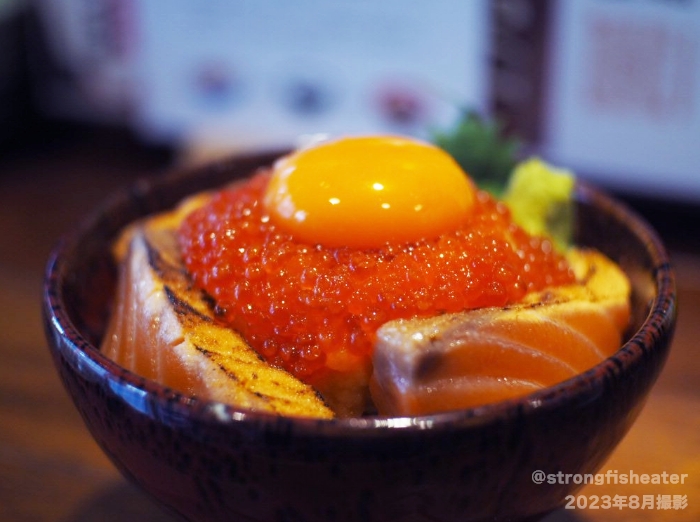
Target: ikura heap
[{"x": 309, "y": 259}]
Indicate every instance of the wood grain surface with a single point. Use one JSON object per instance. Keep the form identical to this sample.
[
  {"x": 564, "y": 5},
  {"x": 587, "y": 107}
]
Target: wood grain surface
[{"x": 50, "y": 468}]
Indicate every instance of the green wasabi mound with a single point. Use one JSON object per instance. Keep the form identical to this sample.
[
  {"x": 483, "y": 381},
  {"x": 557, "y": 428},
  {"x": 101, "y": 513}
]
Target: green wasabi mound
[{"x": 539, "y": 197}]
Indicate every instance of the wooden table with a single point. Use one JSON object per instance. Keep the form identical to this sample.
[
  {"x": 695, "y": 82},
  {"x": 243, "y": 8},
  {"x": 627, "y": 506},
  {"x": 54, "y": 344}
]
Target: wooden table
[{"x": 51, "y": 470}]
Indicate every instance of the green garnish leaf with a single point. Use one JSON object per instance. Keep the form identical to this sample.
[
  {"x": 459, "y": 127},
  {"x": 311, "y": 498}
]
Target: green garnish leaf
[{"x": 481, "y": 150}]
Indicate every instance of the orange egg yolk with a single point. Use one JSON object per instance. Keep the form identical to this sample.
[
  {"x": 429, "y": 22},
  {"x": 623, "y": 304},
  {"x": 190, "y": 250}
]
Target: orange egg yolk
[{"x": 364, "y": 192}]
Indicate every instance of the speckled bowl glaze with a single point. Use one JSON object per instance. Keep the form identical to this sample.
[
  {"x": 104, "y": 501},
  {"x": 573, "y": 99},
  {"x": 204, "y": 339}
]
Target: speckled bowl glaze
[{"x": 208, "y": 462}]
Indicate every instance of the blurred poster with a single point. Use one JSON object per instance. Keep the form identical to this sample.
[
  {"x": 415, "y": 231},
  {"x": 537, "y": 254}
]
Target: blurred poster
[
  {"x": 262, "y": 73},
  {"x": 624, "y": 94}
]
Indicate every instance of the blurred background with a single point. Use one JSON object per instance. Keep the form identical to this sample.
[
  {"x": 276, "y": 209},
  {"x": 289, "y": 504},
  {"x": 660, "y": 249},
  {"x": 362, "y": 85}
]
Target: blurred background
[
  {"x": 610, "y": 88},
  {"x": 97, "y": 93}
]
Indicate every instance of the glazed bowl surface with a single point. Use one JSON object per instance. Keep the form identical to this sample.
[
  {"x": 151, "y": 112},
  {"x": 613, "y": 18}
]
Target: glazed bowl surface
[{"x": 207, "y": 461}]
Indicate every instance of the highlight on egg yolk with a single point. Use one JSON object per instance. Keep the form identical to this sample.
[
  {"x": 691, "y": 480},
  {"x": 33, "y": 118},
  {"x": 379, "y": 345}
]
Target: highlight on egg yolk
[{"x": 367, "y": 191}]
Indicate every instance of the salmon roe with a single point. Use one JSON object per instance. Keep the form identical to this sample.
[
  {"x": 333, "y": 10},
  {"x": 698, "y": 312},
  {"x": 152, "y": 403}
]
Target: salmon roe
[{"x": 307, "y": 308}]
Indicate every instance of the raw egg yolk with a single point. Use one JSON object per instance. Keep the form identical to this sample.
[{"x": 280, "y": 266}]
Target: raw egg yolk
[{"x": 367, "y": 191}]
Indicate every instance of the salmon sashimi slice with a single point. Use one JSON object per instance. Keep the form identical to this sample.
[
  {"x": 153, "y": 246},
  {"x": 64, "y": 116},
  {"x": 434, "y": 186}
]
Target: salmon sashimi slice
[
  {"x": 482, "y": 356},
  {"x": 164, "y": 329}
]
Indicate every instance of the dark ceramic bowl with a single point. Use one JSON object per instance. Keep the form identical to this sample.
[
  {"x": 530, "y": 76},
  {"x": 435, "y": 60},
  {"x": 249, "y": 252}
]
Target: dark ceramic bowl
[{"x": 208, "y": 461}]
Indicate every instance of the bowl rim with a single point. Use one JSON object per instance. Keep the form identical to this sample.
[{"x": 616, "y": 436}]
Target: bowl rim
[{"x": 581, "y": 387}]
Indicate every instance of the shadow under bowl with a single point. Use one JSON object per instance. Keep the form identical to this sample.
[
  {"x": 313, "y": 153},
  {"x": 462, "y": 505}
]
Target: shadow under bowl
[{"x": 209, "y": 461}]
